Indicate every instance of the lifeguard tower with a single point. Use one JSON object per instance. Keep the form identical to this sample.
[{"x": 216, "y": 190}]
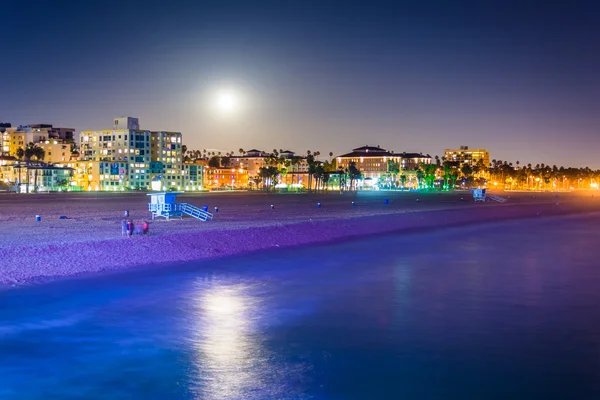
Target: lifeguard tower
[
  {"x": 481, "y": 195},
  {"x": 164, "y": 205}
]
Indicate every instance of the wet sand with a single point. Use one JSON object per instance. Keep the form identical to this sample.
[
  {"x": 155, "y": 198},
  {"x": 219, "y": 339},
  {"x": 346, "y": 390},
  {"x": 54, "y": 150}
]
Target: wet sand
[{"x": 90, "y": 241}]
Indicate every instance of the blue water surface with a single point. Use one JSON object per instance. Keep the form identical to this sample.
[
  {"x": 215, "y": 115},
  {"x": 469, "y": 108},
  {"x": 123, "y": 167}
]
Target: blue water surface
[{"x": 503, "y": 311}]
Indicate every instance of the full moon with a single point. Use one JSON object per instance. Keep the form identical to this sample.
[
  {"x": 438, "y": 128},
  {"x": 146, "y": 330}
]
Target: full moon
[{"x": 227, "y": 101}]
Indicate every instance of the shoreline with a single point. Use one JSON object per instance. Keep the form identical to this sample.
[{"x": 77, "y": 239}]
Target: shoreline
[{"x": 33, "y": 264}]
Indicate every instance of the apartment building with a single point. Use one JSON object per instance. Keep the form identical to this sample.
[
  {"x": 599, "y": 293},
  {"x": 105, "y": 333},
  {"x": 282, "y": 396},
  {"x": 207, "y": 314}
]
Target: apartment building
[
  {"x": 123, "y": 156},
  {"x": 464, "y": 155},
  {"x": 166, "y": 159},
  {"x": 134, "y": 158}
]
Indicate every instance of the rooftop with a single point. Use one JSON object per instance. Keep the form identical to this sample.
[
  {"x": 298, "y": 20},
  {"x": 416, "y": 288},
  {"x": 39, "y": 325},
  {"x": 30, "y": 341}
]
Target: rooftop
[{"x": 368, "y": 151}]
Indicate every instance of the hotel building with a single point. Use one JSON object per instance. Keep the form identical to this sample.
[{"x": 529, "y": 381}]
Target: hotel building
[
  {"x": 373, "y": 161},
  {"x": 225, "y": 178}
]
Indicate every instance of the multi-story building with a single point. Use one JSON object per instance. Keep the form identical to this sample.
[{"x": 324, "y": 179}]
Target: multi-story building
[
  {"x": 252, "y": 161},
  {"x": 5, "y": 131},
  {"x": 17, "y": 140},
  {"x": 371, "y": 161},
  {"x": 49, "y": 132},
  {"x": 411, "y": 161},
  {"x": 464, "y": 155},
  {"x": 56, "y": 151},
  {"x": 86, "y": 174},
  {"x": 225, "y": 178},
  {"x": 123, "y": 156},
  {"x": 193, "y": 176},
  {"x": 35, "y": 177},
  {"x": 166, "y": 159},
  {"x": 36, "y": 133},
  {"x": 132, "y": 158}
]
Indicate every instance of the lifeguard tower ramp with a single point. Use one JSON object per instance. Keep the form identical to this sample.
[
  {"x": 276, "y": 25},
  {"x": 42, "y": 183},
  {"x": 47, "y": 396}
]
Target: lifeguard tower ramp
[
  {"x": 164, "y": 205},
  {"x": 196, "y": 212}
]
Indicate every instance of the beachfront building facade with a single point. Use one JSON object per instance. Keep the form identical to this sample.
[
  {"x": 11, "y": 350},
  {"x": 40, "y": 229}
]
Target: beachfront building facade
[
  {"x": 123, "y": 156},
  {"x": 167, "y": 160},
  {"x": 225, "y": 178},
  {"x": 42, "y": 177},
  {"x": 193, "y": 177},
  {"x": 464, "y": 155},
  {"x": 294, "y": 169},
  {"x": 131, "y": 158},
  {"x": 86, "y": 174},
  {"x": 374, "y": 164},
  {"x": 372, "y": 161},
  {"x": 29, "y": 177}
]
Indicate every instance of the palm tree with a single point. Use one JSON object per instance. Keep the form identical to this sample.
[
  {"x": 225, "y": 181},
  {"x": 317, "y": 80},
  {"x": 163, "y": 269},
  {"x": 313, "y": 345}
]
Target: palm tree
[
  {"x": 353, "y": 173},
  {"x": 428, "y": 173},
  {"x": 33, "y": 150},
  {"x": 20, "y": 153},
  {"x": 241, "y": 151},
  {"x": 310, "y": 160},
  {"x": 330, "y": 155},
  {"x": 403, "y": 180}
]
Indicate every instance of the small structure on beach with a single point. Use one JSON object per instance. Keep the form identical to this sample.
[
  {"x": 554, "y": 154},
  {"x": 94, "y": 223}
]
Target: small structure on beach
[{"x": 164, "y": 204}]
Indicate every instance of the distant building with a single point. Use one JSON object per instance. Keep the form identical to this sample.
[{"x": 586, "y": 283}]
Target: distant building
[
  {"x": 252, "y": 161},
  {"x": 5, "y": 130},
  {"x": 54, "y": 133},
  {"x": 370, "y": 160},
  {"x": 193, "y": 177},
  {"x": 411, "y": 161},
  {"x": 225, "y": 178},
  {"x": 42, "y": 132},
  {"x": 56, "y": 151},
  {"x": 464, "y": 155}
]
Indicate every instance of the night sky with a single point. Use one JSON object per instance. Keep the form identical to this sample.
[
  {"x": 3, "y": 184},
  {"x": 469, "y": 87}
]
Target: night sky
[{"x": 519, "y": 78}]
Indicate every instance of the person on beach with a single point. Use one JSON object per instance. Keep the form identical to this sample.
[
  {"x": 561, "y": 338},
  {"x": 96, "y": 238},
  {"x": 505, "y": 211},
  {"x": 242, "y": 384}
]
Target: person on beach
[
  {"x": 145, "y": 227},
  {"x": 130, "y": 228},
  {"x": 139, "y": 229},
  {"x": 124, "y": 227}
]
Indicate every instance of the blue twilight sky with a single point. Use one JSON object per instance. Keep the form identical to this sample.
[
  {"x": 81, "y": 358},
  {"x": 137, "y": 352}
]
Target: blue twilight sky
[{"x": 520, "y": 78}]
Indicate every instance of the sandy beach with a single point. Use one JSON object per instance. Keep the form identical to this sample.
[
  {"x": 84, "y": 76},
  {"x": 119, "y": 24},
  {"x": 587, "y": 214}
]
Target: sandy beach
[{"x": 89, "y": 239}]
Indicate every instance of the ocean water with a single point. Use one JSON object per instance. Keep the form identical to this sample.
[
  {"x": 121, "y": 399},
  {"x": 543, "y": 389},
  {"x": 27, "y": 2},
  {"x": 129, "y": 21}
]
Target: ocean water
[{"x": 502, "y": 311}]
